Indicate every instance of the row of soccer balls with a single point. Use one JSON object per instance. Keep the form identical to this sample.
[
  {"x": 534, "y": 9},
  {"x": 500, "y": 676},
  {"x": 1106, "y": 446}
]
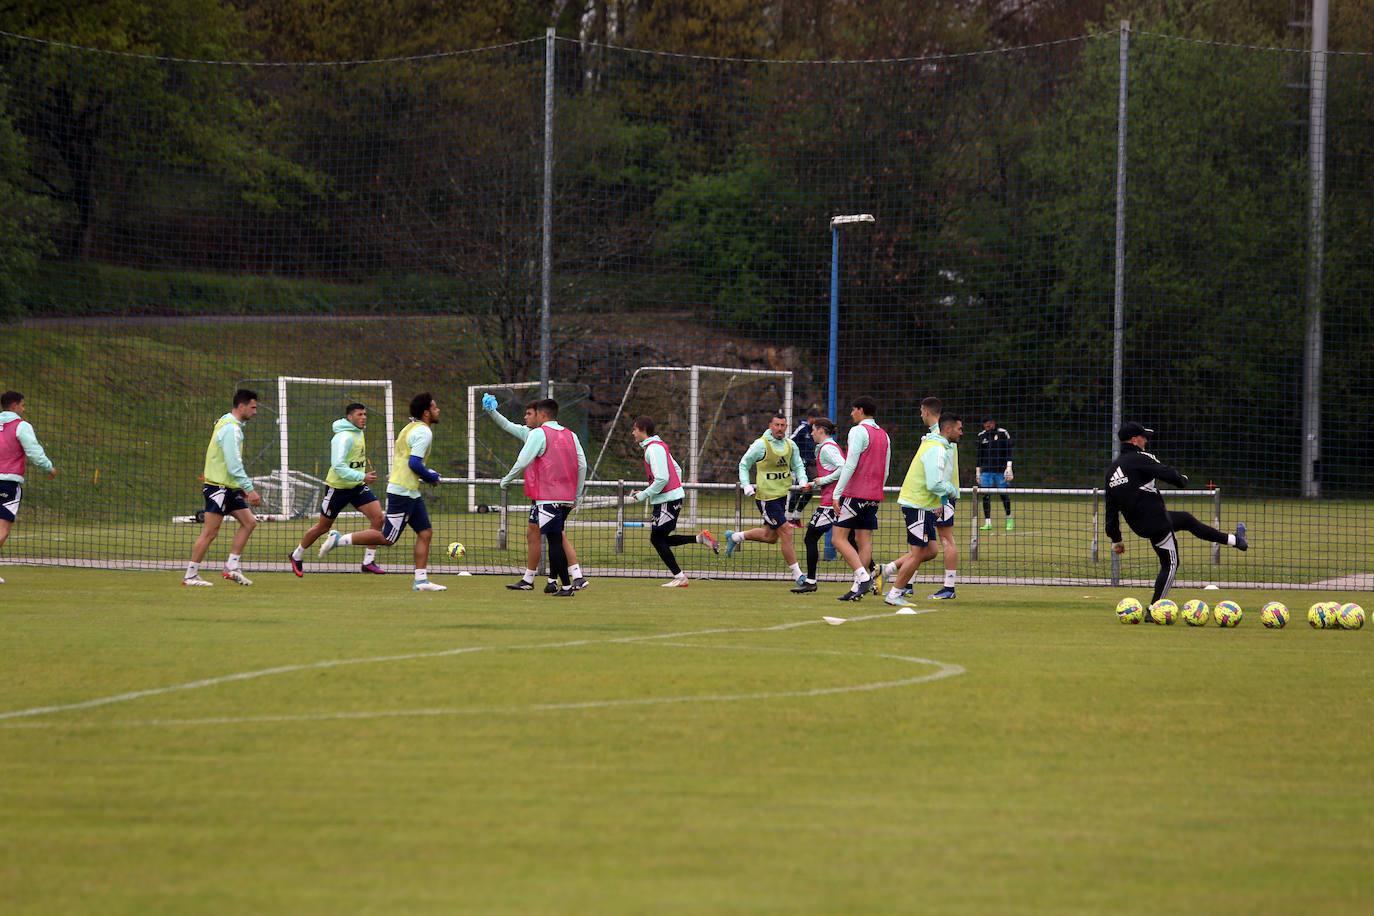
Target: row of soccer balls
[{"x": 1324, "y": 615}]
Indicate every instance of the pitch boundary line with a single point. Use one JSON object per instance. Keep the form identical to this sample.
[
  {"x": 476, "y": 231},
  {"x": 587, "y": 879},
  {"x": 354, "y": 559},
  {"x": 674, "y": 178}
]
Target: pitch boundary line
[{"x": 946, "y": 670}]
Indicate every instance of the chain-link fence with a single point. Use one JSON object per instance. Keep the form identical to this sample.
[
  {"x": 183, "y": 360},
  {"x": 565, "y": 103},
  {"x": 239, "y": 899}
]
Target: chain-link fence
[{"x": 178, "y": 227}]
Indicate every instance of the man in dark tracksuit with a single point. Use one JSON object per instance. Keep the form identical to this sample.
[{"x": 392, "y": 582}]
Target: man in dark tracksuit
[{"x": 1131, "y": 492}]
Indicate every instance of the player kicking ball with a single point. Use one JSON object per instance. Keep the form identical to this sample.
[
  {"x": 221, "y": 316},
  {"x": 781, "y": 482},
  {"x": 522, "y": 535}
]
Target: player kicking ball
[
  {"x": 774, "y": 464},
  {"x": 532, "y": 535},
  {"x": 555, "y": 470},
  {"x": 228, "y": 491},
  {"x": 405, "y": 504},
  {"x": 348, "y": 480},
  {"x": 664, "y": 493},
  {"x": 926, "y": 486}
]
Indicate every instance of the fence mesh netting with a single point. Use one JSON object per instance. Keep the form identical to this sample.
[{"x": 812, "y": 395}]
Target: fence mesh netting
[{"x": 175, "y": 229}]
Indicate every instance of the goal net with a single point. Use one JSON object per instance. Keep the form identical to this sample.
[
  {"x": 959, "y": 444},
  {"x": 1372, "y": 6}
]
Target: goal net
[
  {"x": 708, "y": 415},
  {"x": 294, "y": 429}
]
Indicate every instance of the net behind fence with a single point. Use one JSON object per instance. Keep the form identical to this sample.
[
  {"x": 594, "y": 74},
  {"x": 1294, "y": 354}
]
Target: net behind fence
[{"x": 182, "y": 229}]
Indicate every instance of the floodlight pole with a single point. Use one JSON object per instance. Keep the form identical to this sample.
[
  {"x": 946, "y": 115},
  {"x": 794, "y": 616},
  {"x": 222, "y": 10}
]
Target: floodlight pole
[
  {"x": 1316, "y": 250},
  {"x": 832, "y": 393},
  {"x": 546, "y": 259}
]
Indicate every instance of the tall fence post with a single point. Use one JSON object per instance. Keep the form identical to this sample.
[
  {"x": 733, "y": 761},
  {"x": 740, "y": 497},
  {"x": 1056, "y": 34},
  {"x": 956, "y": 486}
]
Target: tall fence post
[
  {"x": 546, "y": 271},
  {"x": 1316, "y": 251},
  {"x": 620, "y": 516},
  {"x": 1119, "y": 296},
  {"x": 973, "y": 525},
  {"x": 1216, "y": 523},
  {"x": 501, "y": 528}
]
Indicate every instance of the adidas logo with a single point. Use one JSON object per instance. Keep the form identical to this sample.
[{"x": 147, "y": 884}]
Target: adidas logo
[{"x": 1118, "y": 478}]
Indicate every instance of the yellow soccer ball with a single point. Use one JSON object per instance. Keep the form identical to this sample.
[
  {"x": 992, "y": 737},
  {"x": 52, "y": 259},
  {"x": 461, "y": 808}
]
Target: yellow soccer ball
[
  {"x": 1128, "y": 610},
  {"x": 1227, "y": 614},
  {"x": 1350, "y": 616},
  {"x": 1164, "y": 612},
  {"x": 1196, "y": 613},
  {"x": 1274, "y": 615},
  {"x": 1322, "y": 615},
  {"x": 457, "y": 551}
]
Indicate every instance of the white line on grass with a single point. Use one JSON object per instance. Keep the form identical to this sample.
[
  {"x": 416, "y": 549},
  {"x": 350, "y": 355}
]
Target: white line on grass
[{"x": 945, "y": 670}]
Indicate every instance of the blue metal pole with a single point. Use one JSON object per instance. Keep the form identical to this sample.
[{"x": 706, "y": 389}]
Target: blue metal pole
[{"x": 833, "y": 393}]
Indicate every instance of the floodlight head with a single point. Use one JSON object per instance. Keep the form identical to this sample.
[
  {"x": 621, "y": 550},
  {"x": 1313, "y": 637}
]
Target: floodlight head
[{"x": 856, "y": 218}]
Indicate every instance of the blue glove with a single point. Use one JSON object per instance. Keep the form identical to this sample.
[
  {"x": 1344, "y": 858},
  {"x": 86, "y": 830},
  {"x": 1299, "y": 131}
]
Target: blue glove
[{"x": 488, "y": 402}]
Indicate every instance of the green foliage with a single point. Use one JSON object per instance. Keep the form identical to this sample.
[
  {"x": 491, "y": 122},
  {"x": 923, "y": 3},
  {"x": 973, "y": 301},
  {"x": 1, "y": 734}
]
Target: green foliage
[
  {"x": 732, "y": 248},
  {"x": 25, "y": 217}
]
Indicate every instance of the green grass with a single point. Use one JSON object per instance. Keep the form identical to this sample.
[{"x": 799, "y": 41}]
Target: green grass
[{"x": 1077, "y": 766}]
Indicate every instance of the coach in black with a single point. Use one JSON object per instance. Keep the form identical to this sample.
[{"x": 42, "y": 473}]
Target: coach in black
[{"x": 1131, "y": 491}]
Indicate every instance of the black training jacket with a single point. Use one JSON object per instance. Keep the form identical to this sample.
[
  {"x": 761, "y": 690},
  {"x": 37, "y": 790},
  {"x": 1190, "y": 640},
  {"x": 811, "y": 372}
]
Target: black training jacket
[{"x": 1131, "y": 492}]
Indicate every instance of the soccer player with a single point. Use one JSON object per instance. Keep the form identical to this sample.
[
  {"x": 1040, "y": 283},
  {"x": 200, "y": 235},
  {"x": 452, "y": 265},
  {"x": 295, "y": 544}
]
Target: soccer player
[
  {"x": 806, "y": 447},
  {"x": 405, "y": 505},
  {"x": 664, "y": 493},
  {"x": 557, "y": 472},
  {"x": 228, "y": 491},
  {"x": 348, "y": 480},
  {"x": 994, "y": 453},
  {"x": 775, "y": 464},
  {"x": 924, "y": 490},
  {"x": 532, "y": 535},
  {"x": 1132, "y": 492},
  {"x": 18, "y": 446},
  {"x": 829, "y": 459},
  {"x": 859, "y": 490},
  {"x": 931, "y": 408}
]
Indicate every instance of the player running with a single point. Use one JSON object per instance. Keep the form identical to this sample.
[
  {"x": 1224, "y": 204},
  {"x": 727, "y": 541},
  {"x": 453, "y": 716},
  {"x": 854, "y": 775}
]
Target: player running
[
  {"x": 859, "y": 490},
  {"x": 348, "y": 480},
  {"x": 944, "y": 524},
  {"x": 924, "y": 490},
  {"x": 557, "y": 472},
  {"x": 18, "y": 446},
  {"x": 228, "y": 491},
  {"x": 1132, "y": 492},
  {"x": 664, "y": 493},
  {"x": 532, "y": 535},
  {"x": 405, "y": 504},
  {"x": 775, "y": 464},
  {"x": 829, "y": 459}
]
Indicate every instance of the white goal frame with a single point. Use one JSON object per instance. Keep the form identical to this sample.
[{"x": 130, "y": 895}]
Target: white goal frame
[
  {"x": 283, "y": 473},
  {"x": 694, "y": 443}
]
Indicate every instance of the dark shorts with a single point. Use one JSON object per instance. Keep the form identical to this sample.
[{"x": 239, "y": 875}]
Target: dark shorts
[
  {"x": 860, "y": 514},
  {"x": 337, "y": 499},
  {"x": 665, "y": 515},
  {"x": 11, "y": 492},
  {"x": 920, "y": 526},
  {"x": 946, "y": 517},
  {"x": 550, "y": 518},
  {"x": 223, "y": 500},
  {"x": 402, "y": 511},
  {"x": 773, "y": 511},
  {"x": 822, "y": 518}
]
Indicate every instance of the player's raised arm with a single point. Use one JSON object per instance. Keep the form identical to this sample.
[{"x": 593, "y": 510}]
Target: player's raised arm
[{"x": 489, "y": 405}]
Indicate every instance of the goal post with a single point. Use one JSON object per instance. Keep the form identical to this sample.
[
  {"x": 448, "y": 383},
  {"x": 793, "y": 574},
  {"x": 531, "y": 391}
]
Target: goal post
[
  {"x": 709, "y": 390},
  {"x": 304, "y": 407}
]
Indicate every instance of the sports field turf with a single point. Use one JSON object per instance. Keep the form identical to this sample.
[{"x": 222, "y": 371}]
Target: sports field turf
[{"x": 635, "y": 749}]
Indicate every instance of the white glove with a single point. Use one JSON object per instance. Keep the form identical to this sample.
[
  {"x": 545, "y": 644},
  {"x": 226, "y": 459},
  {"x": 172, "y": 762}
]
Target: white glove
[
  {"x": 749, "y": 489},
  {"x": 1008, "y": 474}
]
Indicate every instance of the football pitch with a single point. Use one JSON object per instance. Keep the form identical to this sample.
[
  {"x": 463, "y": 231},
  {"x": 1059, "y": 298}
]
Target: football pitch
[{"x": 340, "y": 743}]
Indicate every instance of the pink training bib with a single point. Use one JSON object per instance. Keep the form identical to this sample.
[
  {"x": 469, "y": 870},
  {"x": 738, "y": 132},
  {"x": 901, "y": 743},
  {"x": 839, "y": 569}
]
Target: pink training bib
[{"x": 552, "y": 477}]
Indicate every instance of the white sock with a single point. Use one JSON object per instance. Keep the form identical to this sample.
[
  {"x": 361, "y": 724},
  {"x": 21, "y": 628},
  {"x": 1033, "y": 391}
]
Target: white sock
[
  {"x": 795, "y": 570},
  {"x": 1230, "y": 540},
  {"x": 737, "y": 537},
  {"x": 889, "y": 570},
  {"x": 860, "y": 576},
  {"x": 345, "y": 541},
  {"x": 949, "y": 578},
  {"x": 421, "y": 575},
  {"x": 810, "y": 581},
  {"x": 298, "y": 554},
  {"x": 894, "y": 592},
  {"x": 192, "y": 570},
  {"x": 528, "y": 576},
  {"x": 369, "y": 555},
  {"x": 232, "y": 562},
  {"x": 575, "y": 571}
]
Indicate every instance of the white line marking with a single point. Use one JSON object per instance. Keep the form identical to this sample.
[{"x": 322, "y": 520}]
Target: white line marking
[{"x": 946, "y": 670}]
